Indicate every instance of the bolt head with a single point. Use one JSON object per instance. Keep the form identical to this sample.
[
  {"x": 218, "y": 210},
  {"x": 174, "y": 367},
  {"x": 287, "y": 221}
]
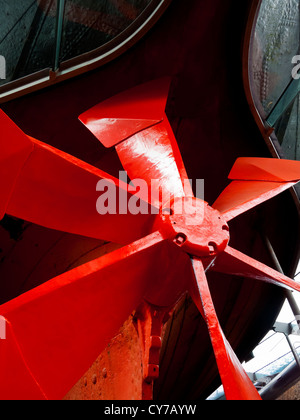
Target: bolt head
[{"x": 194, "y": 226}]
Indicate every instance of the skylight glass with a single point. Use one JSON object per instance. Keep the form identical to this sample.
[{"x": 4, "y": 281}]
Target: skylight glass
[
  {"x": 27, "y": 36},
  {"x": 37, "y": 35},
  {"x": 275, "y": 71}
]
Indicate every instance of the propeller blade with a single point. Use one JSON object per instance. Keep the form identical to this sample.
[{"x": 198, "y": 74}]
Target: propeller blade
[
  {"x": 149, "y": 152},
  {"x": 128, "y": 113},
  {"x": 58, "y": 191},
  {"x": 153, "y": 156},
  {"x": 236, "y": 383},
  {"x": 15, "y": 371},
  {"x": 241, "y": 196},
  {"x": 264, "y": 169},
  {"x": 256, "y": 181},
  {"x": 57, "y": 330},
  {"x": 236, "y": 263}
]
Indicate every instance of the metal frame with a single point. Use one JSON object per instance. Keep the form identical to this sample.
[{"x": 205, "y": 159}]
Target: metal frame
[
  {"x": 61, "y": 5},
  {"x": 88, "y": 61},
  {"x": 256, "y": 108},
  {"x": 286, "y": 329},
  {"x": 284, "y": 102},
  {"x": 265, "y": 122},
  {"x": 289, "y": 295},
  {"x": 255, "y": 105}
]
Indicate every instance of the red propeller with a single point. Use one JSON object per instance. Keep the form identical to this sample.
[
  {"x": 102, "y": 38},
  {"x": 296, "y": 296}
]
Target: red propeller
[
  {"x": 56, "y": 331},
  {"x": 151, "y": 154},
  {"x": 255, "y": 180},
  {"x": 58, "y": 191}
]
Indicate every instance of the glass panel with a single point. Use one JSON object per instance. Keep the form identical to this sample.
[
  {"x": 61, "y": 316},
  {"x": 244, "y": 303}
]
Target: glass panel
[
  {"x": 27, "y": 36},
  {"x": 40, "y": 34},
  {"x": 284, "y": 102},
  {"x": 275, "y": 43},
  {"x": 287, "y": 130},
  {"x": 274, "y": 56},
  {"x": 89, "y": 24}
]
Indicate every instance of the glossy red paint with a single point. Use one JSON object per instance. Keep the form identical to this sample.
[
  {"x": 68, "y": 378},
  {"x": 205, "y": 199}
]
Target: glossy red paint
[
  {"x": 61, "y": 327},
  {"x": 262, "y": 169},
  {"x": 163, "y": 169},
  {"x": 195, "y": 226},
  {"x": 241, "y": 196},
  {"x": 151, "y": 154},
  {"x": 255, "y": 180},
  {"x": 128, "y": 113},
  {"x": 65, "y": 188},
  {"x": 57, "y": 330},
  {"x": 234, "y": 262},
  {"x": 237, "y": 385}
]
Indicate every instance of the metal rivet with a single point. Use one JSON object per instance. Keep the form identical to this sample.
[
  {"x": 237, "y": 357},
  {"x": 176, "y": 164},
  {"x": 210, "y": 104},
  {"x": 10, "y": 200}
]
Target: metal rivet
[
  {"x": 213, "y": 248},
  {"x": 180, "y": 239}
]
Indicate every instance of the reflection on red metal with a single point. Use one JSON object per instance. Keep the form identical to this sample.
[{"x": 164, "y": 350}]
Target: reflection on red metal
[
  {"x": 57, "y": 330},
  {"x": 120, "y": 117},
  {"x": 65, "y": 188},
  {"x": 264, "y": 179},
  {"x": 237, "y": 385},
  {"x": 149, "y": 154}
]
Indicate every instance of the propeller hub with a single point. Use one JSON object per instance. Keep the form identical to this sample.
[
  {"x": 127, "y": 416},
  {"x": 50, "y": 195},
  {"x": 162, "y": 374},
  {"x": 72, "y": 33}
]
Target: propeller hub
[{"x": 196, "y": 227}]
